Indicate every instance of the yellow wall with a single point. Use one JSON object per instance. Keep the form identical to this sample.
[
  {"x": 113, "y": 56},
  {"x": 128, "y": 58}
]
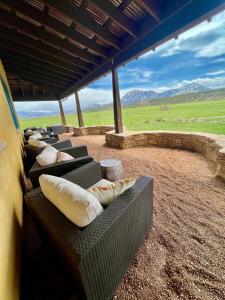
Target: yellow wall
[{"x": 10, "y": 201}]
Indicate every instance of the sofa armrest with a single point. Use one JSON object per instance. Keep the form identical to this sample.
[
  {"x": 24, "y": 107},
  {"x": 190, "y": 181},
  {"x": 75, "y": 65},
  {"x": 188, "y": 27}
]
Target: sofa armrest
[
  {"x": 86, "y": 175},
  {"x": 76, "y": 151},
  {"x": 62, "y": 144}
]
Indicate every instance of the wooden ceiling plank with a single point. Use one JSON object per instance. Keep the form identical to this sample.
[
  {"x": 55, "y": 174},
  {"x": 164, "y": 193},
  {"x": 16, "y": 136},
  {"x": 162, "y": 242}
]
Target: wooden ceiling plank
[
  {"x": 34, "y": 79},
  {"x": 45, "y": 79},
  {"x": 79, "y": 16},
  {"x": 39, "y": 46},
  {"x": 40, "y": 33},
  {"x": 47, "y": 20},
  {"x": 18, "y": 57},
  {"x": 113, "y": 12},
  {"x": 37, "y": 71},
  {"x": 17, "y": 47}
]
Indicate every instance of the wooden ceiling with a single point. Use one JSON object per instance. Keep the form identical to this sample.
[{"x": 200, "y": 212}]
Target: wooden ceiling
[{"x": 52, "y": 48}]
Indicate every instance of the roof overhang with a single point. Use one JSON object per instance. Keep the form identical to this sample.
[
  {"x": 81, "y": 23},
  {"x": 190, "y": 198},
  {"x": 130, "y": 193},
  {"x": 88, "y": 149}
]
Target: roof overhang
[{"x": 62, "y": 46}]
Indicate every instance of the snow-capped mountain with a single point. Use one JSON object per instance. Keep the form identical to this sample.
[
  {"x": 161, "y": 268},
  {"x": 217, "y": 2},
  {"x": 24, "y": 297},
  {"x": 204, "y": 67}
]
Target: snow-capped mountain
[
  {"x": 186, "y": 89},
  {"x": 135, "y": 96}
]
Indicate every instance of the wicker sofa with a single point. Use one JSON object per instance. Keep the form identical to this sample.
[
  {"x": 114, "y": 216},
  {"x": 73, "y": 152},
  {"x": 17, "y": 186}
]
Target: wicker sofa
[
  {"x": 50, "y": 134},
  {"x": 58, "y": 129},
  {"x": 31, "y": 152},
  {"x": 81, "y": 158},
  {"x": 97, "y": 256}
]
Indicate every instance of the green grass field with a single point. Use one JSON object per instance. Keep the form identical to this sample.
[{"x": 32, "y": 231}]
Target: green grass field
[{"x": 205, "y": 116}]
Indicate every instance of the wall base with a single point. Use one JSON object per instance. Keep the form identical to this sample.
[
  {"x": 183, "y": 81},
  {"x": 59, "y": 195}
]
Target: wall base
[
  {"x": 210, "y": 145},
  {"x": 92, "y": 130}
]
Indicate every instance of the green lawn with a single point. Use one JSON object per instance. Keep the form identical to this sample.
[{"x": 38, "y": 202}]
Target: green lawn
[{"x": 182, "y": 117}]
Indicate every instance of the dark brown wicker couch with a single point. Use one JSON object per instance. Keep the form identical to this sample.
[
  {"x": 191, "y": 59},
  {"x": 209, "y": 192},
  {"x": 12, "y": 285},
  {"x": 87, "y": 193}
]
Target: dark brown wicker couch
[
  {"x": 81, "y": 158},
  {"x": 97, "y": 256},
  {"x": 31, "y": 152}
]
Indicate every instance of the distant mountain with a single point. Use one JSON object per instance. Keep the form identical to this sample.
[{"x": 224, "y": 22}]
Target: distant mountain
[
  {"x": 186, "y": 89},
  {"x": 34, "y": 114},
  {"x": 136, "y": 96}
]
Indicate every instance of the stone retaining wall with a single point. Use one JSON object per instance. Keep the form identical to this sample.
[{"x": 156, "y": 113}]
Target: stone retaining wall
[
  {"x": 69, "y": 128},
  {"x": 210, "y": 145},
  {"x": 92, "y": 130}
]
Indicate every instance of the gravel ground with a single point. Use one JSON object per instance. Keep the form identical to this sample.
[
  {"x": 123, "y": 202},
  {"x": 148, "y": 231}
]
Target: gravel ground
[{"x": 184, "y": 255}]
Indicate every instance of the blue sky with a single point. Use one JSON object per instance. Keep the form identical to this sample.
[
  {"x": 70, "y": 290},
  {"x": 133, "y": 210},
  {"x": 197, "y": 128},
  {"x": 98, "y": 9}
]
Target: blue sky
[{"x": 198, "y": 55}]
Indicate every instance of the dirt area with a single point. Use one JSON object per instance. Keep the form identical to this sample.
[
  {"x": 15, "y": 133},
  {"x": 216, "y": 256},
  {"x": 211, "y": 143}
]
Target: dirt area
[{"x": 184, "y": 255}]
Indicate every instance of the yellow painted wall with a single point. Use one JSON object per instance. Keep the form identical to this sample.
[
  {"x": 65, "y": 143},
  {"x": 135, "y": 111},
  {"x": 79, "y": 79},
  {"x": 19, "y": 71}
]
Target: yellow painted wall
[{"x": 10, "y": 201}]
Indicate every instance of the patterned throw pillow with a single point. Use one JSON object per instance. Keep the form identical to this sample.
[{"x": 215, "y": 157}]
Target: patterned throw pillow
[
  {"x": 63, "y": 156},
  {"x": 109, "y": 192}
]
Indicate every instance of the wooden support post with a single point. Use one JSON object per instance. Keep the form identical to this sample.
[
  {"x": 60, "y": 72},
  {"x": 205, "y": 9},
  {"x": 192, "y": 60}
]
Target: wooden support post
[
  {"x": 79, "y": 112},
  {"x": 62, "y": 113},
  {"x": 116, "y": 101}
]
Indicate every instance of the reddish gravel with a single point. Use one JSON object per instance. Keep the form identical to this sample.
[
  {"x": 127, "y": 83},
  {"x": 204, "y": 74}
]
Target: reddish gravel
[{"x": 184, "y": 255}]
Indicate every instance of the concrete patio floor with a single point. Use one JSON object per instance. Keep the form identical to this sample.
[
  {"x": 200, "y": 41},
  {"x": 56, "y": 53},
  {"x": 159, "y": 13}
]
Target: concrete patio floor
[{"x": 183, "y": 257}]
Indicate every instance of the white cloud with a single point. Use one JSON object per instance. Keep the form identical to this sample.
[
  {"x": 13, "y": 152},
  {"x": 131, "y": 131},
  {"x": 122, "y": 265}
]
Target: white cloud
[
  {"x": 211, "y": 83},
  {"x": 213, "y": 73},
  {"x": 93, "y": 96},
  {"x": 205, "y": 40}
]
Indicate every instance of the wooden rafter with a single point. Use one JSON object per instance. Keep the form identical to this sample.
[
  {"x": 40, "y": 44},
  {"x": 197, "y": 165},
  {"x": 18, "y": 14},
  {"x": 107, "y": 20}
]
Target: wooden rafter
[
  {"x": 40, "y": 33},
  {"x": 42, "y": 79},
  {"x": 39, "y": 64},
  {"x": 28, "y": 68},
  {"x": 47, "y": 20},
  {"x": 114, "y": 13},
  {"x": 17, "y": 47},
  {"x": 79, "y": 16},
  {"x": 153, "y": 8},
  {"x": 39, "y": 46},
  {"x": 31, "y": 97}
]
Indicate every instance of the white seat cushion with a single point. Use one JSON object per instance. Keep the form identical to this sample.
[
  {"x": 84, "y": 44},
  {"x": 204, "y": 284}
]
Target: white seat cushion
[
  {"x": 48, "y": 156},
  {"x": 108, "y": 192},
  {"x": 37, "y": 144},
  {"x": 77, "y": 204}
]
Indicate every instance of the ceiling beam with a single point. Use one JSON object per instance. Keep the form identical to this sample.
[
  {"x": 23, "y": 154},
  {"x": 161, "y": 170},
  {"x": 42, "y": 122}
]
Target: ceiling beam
[
  {"x": 153, "y": 8},
  {"x": 40, "y": 33},
  {"x": 39, "y": 46},
  {"x": 31, "y": 98},
  {"x": 113, "y": 12},
  {"x": 47, "y": 20},
  {"x": 79, "y": 16},
  {"x": 21, "y": 58},
  {"x": 17, "y": 47},
  {"x": 27, "y": 67},
  {"x": 55, "y": 92}
]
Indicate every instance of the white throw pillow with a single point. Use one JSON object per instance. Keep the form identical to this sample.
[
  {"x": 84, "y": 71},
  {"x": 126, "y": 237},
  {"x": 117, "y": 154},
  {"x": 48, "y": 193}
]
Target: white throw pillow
[
  {"x": 29, "y": 131},
  {"x": 63, "y": 156},
  {"x": 37, "y": 144},
  {"x": 48, "y": 156},
  {"x": 36, "y": 136},
  {"x": 78, "y": 205},
  {"x": 107, "y": 193}
]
